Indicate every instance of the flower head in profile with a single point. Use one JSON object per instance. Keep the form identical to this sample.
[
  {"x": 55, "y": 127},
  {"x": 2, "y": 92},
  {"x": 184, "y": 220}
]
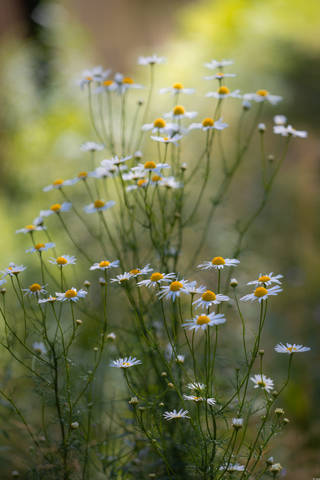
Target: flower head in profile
[
  {"x": 218, "y": 64},
  {"x": 35, "y": 289},
  {"x": 290, "y": 348},
  {"x": 50, "y": 299},
  {"x": 237, "y": 423},
  {"x": 219, "y": 76},
  {"x": 262, "y": 95},
  {"x": 224, "y": 92},
  {"x": 232, "y": 467},
  {"x": 174, "y": 290},
  {"x": 176, "y": 89},
  {"x": 95, "y": 74},
  {"x": 122, "y": 83},
  {"x": 217, "y": 263},
  {"x": 197, "y": 399},
  {"x": 56, "y": 208},
  {"x": 263, "y": 382},
  {"x": 105, "y": 265},
  {"x": 151, "y": 60},
  {"x": 170, "y": 183},
  {"x": 174, "y": 414},
  {"x": 71, "y": 295},
  {"x": 30, "y": 228},
  {"x": 179, "y": 112},
  {"x": 156, "y": 278},
  {"x": 63, "y": 260},
  {"x": 13, "y": 269},
  {"x": 167, "y": 140},
  {"x": 196, "y": 386},
  {"x": 289, "y": 131},
  {"x": 98, "y": 206},
  {"x": 91, "y": 147},
  {"x": 209, "y": 298},
  {"x": 41, "y": 247},
  {"x": 203, "y": 321},
  {"x": 261, "y": 293},
  {"x": 122, "y": 278},
  {"x": 39, "y": 348},
  {"x": 280, "y": 120},
  {"x": 125, "y": 362},
  {"x": 149, "y": 167},
  {"x": 209, "y": 124},
  {"x": 159, "y": 125},
  {"x": 56, "y": 185},
  {"x": 267, "y": 279}
]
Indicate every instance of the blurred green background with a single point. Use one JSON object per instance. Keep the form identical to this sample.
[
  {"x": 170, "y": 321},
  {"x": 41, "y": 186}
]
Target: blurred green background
[{"x": 45, "y": 45}]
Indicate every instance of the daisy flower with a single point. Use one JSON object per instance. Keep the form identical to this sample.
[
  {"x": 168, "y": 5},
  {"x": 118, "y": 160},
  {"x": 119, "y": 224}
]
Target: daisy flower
[
  {"x": 209, "y": 124},
  {"x": 71, "y": 295},
  {"x": 123, "y": 277},
  {"x": 30, "y": 228},
  {"x": 218, "y": 64},
  {"x": 13, "y": 269},
  {"x": 105, "y": 265},
  {"x": 34, "y": 290},
  {"x": 96, "y": 74},
  {"x": 39, "y": 347},
  {"x": 280, "y": 120},
  {"x": 267, "y": 279},
  {"x": 192, "y": 288},
  {"x": 176, "y": 89},
  {"x": 98, "y": 206},
  {"x": 50, "y": 299},
  {"x": 194, "y": 398},
  {"x": 170, "y": 182},
  {"x": 261, "y": 293},
  {"x": 91, "y": 147},
  {"x": 180, "y": 358},
  {"x": 136, "y": 272},
  {"x": 289, "y": 131},
  {"x": 209, "y": 298},
  {"x": 56, "y": 185},
  {"x": 261, "y": 96},
  {"x": 223, "y": 92},
  {"x": 172, "y": 291},
  {"x": 179, "y": 112},
  {"x": 290, "y": 348},
  {"x": 150, "y": 166},
  {"x": 81, "y": 176},
  {"x": 122, "y": 83},
  {"x": 125, "y": 362},
  {"x": 158, "y": 126},
  {"x": 203, "y": 321},
  {"x": 114, "y": 161},
  {"x": 174, "y": 414},
  {"x": 41, "y": 247},
  {"x": 263, "y": 382},
  {"x": 156, "y": 279},
  {"x": 106, "y": 86},
  {"x": 174, "y": 140},
  {"x": 63, "y": 260},
  {"x": 232, "y": 467},
  {"x": 218, "y": 263},
  {"x": 151, "y": 60},
  {"x": 220, "y": 76},
  {"x": 198, "y": 387},
  {"x": 56, "y": 208}
]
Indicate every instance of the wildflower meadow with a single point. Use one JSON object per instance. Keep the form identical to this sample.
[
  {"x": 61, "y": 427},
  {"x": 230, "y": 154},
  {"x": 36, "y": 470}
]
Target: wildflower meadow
[{"x": 138, "y": 360}]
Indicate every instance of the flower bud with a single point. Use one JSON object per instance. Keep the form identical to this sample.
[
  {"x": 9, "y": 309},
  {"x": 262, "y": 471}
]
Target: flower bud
[
  {"x": 246, "y": 105},
  {"x": 262, "y": 128},
  {"x": 286, "y": 421},
  {"x": 86, "y": 283},
  {"x": 15, "y": 474},
  {"x": 74, "y": 425},
  {"x": 133, "y": 401},
  {"x": 270, "y": 461},
  {"x": 279, "y": 411},
  {"x": 276, "y": 467},
  {"x": 78, "y": 321},
  {"x": 163, "y": 374},
  {"x": 170, "y": 385},
  {"x": 102, "y": 281},
  {"x": 95, "y": 349},
  {"x": 111, "y": 337},
  {"x": 237, "y": 423},
  {"x": 4, "y": 291},
  {"x": 261, "y": 352},
  {"x": 271, "y": 158},
  {"x": 233, "y": 282}
]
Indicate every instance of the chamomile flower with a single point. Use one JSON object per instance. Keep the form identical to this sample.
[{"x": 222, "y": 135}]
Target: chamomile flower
[
  {"x": 203, "y": 321},
  {"x": 192, "y": 288},
  {"x": 232, "y": 467},
  {"x": 289, "y": 131},
  {"x": 174, "y": 290},
  {"x": 121, "y": 278},
  {"x": 39, "y": 348},
  {"x": 105, "y": 265},
  {"x": 280, "y": 120},
  {"x": 197, "y": 399},
  {"x": 151, "y": 60},
  {"x": 150, "y": 167},
  {"x": 180, "y": 359},
  {"x": 220, "y": 76},
  {"x": 209, "y": 298},
  {"x": 158, "y": 126},
  {"x": 179, "y": 112},
  {"x": 290, "y": 348},
  {"x": 71, "y": 295},
  {"x": 106, "y": 86},
  {"x": 196, "y": 386},
  {"x": 218, "y": 64},
  {"x": 156, "y": 278},
  {"x": 262, "y": 95},
  {"x": 209, "y": 124},
  {"x": 56, "y": 208},
  {"x": 261, "y": 293},
  {"x": 174, "y": 414},
  {"x": 176, "y": 89},
  {"x": 170, "y": 183},
  {"x": 217, "y": 263},
  {"x": 173, "y": 140},
  {"x": 224, "y": 92},
  {"x": 125, "y": 362},
  {"x": 41, "y": 247},
  {"x": 56, "y": 185},
  {"x": 35, "y": 289},
  {"x": 63, "y": 260},
  {"x": 136, "y": 272},
  {"x": 98, "y": 206},
  {"x": 13, "y": 269},
  {"x": 115, "y": 161},
  {"x": 96, "y": 74},
  {"x": 82, "y": 176},
  {"x": 122, "y": 83},
  {"x": 91, "y": 147},
  {"x": 50, "y": 299},
  {"x": 266, "y": 279},
  {"x": 263, "y": 382},
  {"x": 30, "y": 228}
]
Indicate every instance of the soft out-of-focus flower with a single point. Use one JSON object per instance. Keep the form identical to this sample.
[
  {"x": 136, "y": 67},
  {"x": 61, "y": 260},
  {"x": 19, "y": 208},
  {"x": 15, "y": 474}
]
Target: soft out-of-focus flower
[
  {"x": 91, "y": 147},
  {"x": 289, "y": 131},
  {"x": 50, "y": 299},
  {"x": 224, "y": 92},
  {"x": 280, "y": 120},
  {"x": 156, "y": 278},
  {"x": 218, "y": 64},
  {"x": 219, "y": 76},
  {"x": 176, "y": 89},
  {"x": 151, "y": 60},
  {"x": 232, "y": 467},
  {"x": 30, "y": 228},
  {"x": 121, "y": 278},
  {"x": 209, "y": 124},
  {"x": 13, "y": 269},
  {"x": 173, "y": 140},
  {"x": 56, "y": 208},
  {"x": 39, "y": 347},
  {"x": 262, "y": 95},
  {"x": 99, "y": 206},
  {"x": 179, "y": 112},
  {"x": 41, "y": 247},
  {"x": 35, "y": 289},
  {"x": 122, "y": 83}
]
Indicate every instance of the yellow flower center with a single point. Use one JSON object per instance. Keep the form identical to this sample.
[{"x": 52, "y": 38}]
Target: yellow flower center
[
  {"x": 128, "y": 80},
  {"x": 56, "y": 207},
  {"x": 218, "y": 261},
  {"x": 260, "y": 292},
  {"x": 264, "y": 278},
  {"x": 104, "y": 263},
  {"x": 89, "y": 78},
  {"x": 203, "y": 320},
  {"x": 178, "y": 110},
  {"x": 126, "y": 364},
  {"x": 61, "y": 261},
  {"x": 59, "y": 181},
  {"x": 107, "y": 83},
  {"x": 156, "y": 276},
  {"x": 39, "y": 245},
  {"x": 223, "y": 90},
  {"x": 70, "y": 293},
  {"x": 208, "y": 122},
  {"x": 99, "y": 204},
  {"x": 82, "y": 174},
  {"x": 177, "y": 86},
  {"x": 220, "y": 74},
  {"x": 35, "y": 287},
  {"x": 150, "y": 165},
  {"x": 262, "y": 93},
  {"x": 159, "y": 123},
  {"x": 208, "y": 296},
  {"x": 141, "y": 182},
  {"x": 156, "y": 178},
  {"x": 176, "y": 286},
  {"x": 290, "y": 349},
  {"x": 30, "y": 227},
  {"x": 261, "y": 383},
  {"x": 135, "y": 271}
]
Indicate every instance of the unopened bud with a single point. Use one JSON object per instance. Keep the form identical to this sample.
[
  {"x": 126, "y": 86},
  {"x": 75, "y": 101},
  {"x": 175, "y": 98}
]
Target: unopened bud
[
  {"x": 86, "y": 283},
  {"x": 102, "y": 281},
  {"x": 233, "y": 282},
  {"x": 170, "y": 385},
  {"x": 15, "y": 474},
  {"x": 286, "y": 421},
  {"x": 184, "y": 166},
  {"x": 279, "y": 411},
  {"x": 262, "y": 128},
  {"x": 95, "y": 349},
  {"x": 111, "y": 337},
  {"x": 163, "y": 374},
  {"x": 276, "y": 467},
  {"x": 78, "y": 321},
  {"x": 133, "y": 401},
  {"x": 246, "y": 105},
  {"x": 261, "y": 352},
  {"x": 271, "y": 158},
  {"x": 74, "y": 425},
  {"x": 4, "y": 291}
]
